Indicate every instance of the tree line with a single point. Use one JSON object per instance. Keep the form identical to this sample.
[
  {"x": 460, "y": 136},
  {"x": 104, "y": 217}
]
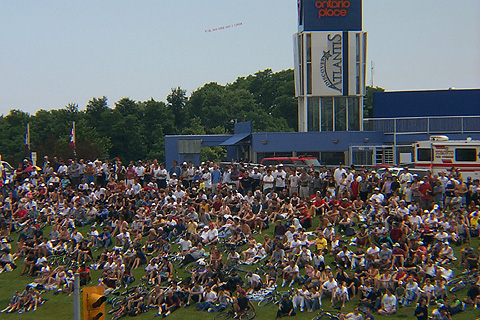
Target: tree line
[{"x": 132, "y": 130}]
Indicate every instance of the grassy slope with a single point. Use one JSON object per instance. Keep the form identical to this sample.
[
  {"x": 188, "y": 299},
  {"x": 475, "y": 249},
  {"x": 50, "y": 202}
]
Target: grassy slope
[{"x": 61, "y": 306}]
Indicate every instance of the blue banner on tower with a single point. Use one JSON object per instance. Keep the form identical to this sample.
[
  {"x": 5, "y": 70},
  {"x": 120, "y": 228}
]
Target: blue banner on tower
[{"x": 329, "y": 15}]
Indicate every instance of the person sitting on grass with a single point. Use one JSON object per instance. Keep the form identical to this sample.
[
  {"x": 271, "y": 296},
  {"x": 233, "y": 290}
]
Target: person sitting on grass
[
  {"x": 155, "y": 298},
  {"x": 209, "y": 298},
  {"x": 6, "y": 261},
  {"x": 170, "y": 304},
  {"x": 388, "y": 303},
  {"x": 456, "y": 305},
  {"x": 285, "y": 307},
  {"x": 355, "y": 315},
  {"x": 472, "y": 295},
  {"x": 254, "y": 282},
  {"x": 340, "y": 295},
  {"x": 290, "y": 273},
  {"x": 14, "y": 303},
  {"x": 135, "y": 302},
  {"x": 223, "y": 300},
  {"x": 242, "y": 303},
  {"x": 195, "y": 293}
]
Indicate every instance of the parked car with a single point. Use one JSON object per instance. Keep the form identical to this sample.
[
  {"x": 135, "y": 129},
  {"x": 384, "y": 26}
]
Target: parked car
[
  {"x": 303, "y": 161},
  {"x": 396, "y": 171}
]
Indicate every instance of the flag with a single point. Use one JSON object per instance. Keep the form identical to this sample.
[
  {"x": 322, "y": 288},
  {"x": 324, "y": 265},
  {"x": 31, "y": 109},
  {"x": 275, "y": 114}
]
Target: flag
[
  {"x": 72, "y": 136},
  {"x": 27, "y": 137}
]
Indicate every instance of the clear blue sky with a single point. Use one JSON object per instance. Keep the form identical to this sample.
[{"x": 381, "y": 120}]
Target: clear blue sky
[{"x": 59, "y": 52}]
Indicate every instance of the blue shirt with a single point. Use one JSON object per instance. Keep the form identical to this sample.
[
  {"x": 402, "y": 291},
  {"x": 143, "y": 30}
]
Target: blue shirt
[{"x": 216, "y": 175}]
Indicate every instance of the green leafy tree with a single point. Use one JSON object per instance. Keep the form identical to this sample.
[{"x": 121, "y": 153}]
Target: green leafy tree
[
  {"x": 195, "y": 127},
  {"x": 368, "y": 101},
  {"x": 12, "y": 136},
  {"x": 177, "y": 100}
]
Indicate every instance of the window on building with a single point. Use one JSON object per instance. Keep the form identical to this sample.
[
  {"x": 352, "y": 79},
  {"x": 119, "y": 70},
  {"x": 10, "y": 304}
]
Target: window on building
[
  {"x": 424, "y": 154},
  {"x": 313, "y": 114},
  {"x": 354, "y": 114},
  {"x": 327, "y": 114},
  {"x": 309, "y": 47},
  {"x": 332, "y": 157},
  {"x": 340, "y": 114},
  {"x": 466, "y": 154},
  {"x": 301, "y": 64},
  {"x": 309, "y": 78}
]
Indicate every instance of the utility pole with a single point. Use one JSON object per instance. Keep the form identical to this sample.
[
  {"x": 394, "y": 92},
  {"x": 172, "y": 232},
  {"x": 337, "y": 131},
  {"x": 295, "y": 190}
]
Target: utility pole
[
  {"x": 372, "y": 71},
  {"x": 76, "y": 296}
]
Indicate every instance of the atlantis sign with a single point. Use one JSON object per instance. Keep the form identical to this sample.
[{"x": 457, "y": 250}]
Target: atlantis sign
[{"x": 331, "y": 63}]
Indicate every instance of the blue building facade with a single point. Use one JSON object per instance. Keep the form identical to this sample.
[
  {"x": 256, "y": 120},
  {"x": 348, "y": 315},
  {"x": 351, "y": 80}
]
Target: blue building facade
[
  {"x": 400, "y": 119},
  {"x": 428, "y": 103}
]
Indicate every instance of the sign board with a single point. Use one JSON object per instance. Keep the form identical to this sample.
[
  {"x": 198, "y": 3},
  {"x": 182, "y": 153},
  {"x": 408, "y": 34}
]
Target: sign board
[
  {"x": 444, "y": 153},
  {"x": 189, "y": 145},
  {"x": 329, "y": 15},
  {"x": 330, "y": 63}
]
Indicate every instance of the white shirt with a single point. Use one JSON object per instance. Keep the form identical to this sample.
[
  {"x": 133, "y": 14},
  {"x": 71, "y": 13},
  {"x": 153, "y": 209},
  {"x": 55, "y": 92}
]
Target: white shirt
[
  {"x": 140, "y": 170},
  {"x": 254, "y": 278},
  {"x": 293, "y": 181},
  {"x": 185, "y": 244},
  {"x": 210, "y": 296},
  {"x": 268, "y": 181},
  {"x": 330, "y": 285},
  {"x": 338, "y": 173},
  {"x": 280, "y": 177},
  {"x": 389, "y": 301}
]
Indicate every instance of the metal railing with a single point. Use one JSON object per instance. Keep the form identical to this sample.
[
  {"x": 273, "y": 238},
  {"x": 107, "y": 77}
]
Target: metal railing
[{"x": 419, "y": 125}]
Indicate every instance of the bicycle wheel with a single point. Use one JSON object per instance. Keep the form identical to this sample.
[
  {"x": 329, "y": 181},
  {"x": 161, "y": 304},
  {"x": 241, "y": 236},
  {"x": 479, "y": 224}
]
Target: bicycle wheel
[
  {"x": 118, "y": 316},
  {"x": 319, "y": 316},
  {"x": 459, "y": 287},
  {"x": 191, "y": 268},
  {"x": 66, "y": 261},
  {"x": 53, "y": 261},
  {"x": 248, "y": 315},
  {"x": 224, "y": 315},
  {"x": 454, "y": 281},
  {"x": 265, "y": 301},
  {"x": 240, "y": 269},
  {"x": 117, "y": 303}
]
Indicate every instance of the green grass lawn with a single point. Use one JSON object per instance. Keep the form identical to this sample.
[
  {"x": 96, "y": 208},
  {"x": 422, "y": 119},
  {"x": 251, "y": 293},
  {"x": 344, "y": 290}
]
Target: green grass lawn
[{"x": 60, "y": 307}]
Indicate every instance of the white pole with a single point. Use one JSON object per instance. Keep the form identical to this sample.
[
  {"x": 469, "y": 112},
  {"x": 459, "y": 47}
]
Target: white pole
[{"x": 76, "y": 297}]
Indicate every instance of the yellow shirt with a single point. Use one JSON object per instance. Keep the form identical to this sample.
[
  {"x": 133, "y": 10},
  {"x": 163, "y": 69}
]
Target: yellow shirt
[
  {"x": 474, "y": 221},
  {"x": 321, "y": 243},
  {"x": 192, "y": 227}
]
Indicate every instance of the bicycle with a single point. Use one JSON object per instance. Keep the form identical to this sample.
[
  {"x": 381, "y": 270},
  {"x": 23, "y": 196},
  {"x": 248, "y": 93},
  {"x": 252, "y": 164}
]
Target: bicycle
[
  {"x": 274, "y": 297},
  {"x": 246, "y": 315},
  {"x": 200, "y": 264},
  {"x": 176, "y": 259},
  {"x": 323, "y": 313},
  {"x": 460, "y": 283},
  {"x": 59, "y": 260}
]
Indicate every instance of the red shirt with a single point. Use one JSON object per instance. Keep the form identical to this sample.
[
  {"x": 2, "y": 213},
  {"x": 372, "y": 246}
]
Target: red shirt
[
  {"x": 318, "y": 202},
  {"x": 21, "y": 213},
  {"x": 217, "y": 205},
  {"x": 396, "y": 234},
  {"x": 423, "y": 188},
  {"x": 354, "y": 187},
  {"x": 131, "y": 173}
]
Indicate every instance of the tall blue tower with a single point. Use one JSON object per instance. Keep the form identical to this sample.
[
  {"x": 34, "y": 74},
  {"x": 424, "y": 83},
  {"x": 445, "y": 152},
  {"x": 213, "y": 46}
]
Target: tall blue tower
[{"x": 330, "y": 51}]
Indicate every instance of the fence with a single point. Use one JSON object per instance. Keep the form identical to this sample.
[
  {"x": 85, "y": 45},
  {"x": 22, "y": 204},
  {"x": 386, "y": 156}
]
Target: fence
[{"x": 428, "y": 125}]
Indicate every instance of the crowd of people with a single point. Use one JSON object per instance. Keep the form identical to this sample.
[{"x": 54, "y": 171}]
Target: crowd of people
[{"x": 331, "y": 235}]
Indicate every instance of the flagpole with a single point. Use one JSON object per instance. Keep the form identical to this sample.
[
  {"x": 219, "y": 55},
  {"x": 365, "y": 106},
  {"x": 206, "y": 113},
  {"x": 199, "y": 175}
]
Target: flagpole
[
  {"x": 27, "y": 138},
  {"x": 73, "y": 139}
]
